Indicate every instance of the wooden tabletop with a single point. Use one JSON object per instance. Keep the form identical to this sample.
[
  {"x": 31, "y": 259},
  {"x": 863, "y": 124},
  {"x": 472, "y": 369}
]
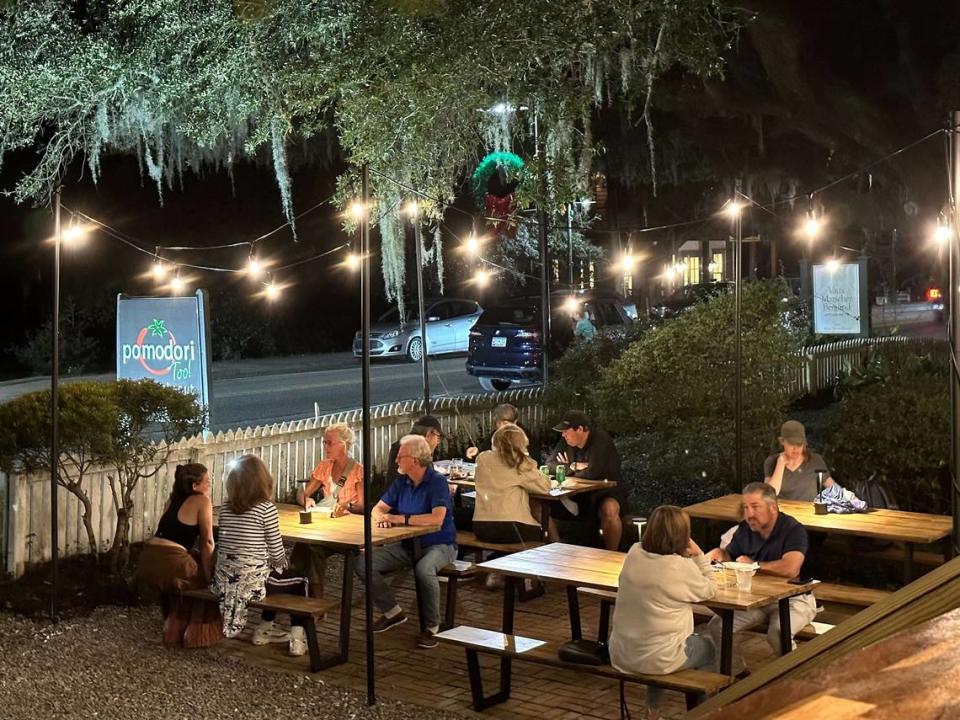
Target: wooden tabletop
[
  {"x": 345, "y": 533},
  {"x": 913, "y": 674},
  {"x": 593, "y": 567},
  {"x": 572, "y": 486},
  {"x": 896, "y": 525}
]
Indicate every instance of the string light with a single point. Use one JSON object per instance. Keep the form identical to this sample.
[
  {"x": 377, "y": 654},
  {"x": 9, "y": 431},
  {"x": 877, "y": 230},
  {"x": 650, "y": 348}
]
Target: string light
[
  {"x": 177, "y": 284},
  {"x": 472, "y": 245},
  {"x": 357, "y": 210},
  {"x": 571, "y": 304},
  {"x": 272, "y": 291},
  {"x": 811, "y": 228},
  {"x": 74, "y": 234},
  {"x": 733, "y": 209},
  {"x": 254, "y": 267},
  {"x": 159, "y": 270},
  {"x": 833, "y": 264},
  {"x": 412, "y": 209},
  {"x": 482, "y": 278},
  {"x": 627, "y": 263},
  {"x": 943, "y": 233},
  {"x": 352, "y": 261}
]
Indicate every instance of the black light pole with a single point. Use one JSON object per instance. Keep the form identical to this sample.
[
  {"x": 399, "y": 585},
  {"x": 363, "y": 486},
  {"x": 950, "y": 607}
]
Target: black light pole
[
  {"x": 55, "y": 411},
  {"x": 737, "y": 211},
  {"x": 953, "y": 323},
  {"x": 423, "y": 320},
  {"x": 365, "y": 440}
]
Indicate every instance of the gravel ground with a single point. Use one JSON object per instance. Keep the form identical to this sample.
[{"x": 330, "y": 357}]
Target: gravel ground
[{"x": 112, "y": 665}]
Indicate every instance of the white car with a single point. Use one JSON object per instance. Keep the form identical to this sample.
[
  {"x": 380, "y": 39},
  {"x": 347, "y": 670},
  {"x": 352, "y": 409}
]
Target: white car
[{"x": 448, "y": 330}]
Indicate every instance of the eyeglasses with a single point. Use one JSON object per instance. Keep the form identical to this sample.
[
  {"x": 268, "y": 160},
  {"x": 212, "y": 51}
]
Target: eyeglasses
[{"x": 331, "y": 442}]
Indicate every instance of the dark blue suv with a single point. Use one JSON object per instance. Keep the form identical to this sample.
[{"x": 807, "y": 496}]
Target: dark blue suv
[{"x": 506, "y": 343}]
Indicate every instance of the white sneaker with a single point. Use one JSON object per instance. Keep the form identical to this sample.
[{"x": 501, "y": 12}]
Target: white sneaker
[
  {"x": 297, "y": 645},
  {"x": 267, "y": 632}
]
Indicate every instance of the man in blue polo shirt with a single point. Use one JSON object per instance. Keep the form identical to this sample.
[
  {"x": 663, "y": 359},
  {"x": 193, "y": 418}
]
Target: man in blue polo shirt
[
  {"x": 419, "y": 496},
  {"x": 778, "y": 543}
]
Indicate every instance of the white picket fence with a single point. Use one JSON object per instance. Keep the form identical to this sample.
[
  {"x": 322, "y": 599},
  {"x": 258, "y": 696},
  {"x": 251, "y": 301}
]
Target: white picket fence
[{"x": 290, "y": 451}]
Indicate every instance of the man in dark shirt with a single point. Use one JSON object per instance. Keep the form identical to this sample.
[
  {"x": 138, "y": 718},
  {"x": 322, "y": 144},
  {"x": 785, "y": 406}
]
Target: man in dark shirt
[
  {"x": 429, "y": 427},
  {"x": 589, "y": 453},
  {"x": 778, "y": 544}
]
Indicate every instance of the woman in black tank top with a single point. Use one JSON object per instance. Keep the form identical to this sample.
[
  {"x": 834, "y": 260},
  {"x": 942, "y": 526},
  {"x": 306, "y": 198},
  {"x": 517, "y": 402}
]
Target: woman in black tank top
[{"x": 167, "y": 565}]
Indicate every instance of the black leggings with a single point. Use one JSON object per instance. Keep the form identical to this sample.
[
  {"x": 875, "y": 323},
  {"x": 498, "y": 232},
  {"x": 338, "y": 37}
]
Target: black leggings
[
  {"x": 285, "y": 585},
  {"x": 505, "y": 531}
]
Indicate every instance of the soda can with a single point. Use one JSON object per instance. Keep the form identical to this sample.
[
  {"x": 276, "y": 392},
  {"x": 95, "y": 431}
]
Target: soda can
[
  {"x": 561, "y": 474},
  {"x": 545, "y": 470}
]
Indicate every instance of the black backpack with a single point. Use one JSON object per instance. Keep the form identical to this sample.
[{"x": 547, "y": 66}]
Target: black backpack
[{"x": 874, "y": 494}]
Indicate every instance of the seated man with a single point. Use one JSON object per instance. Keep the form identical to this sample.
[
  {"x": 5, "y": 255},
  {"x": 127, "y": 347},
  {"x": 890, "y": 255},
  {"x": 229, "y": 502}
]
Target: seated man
[
  {"x": 504, "y": 414},
  {"x": 427, "y": 426},
  {"x": 778, "y": 543},
  {"x": 419, "y": 496},
  {"x": 590, "y": 454}
]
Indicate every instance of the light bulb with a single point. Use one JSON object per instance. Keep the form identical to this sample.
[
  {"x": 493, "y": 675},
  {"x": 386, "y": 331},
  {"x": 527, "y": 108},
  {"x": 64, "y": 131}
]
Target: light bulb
[
  {"x": 254, "y": 267},
  {"x": 733, "y": 209},
  {"x": 159, "y": 270},
  {"x": 357, "y": 210},
  {"x": 811, "y": 228},
  {"x": 272, "y": 291},
  {"x": 472, "y": 245},
  {"x": 412, "y": 209},
  {"x": 942, "y": 234},
  {"x": 833, "y": 265},
  {"x": 482, "y": 278},
  {"x": 177, "y": 284},
  {"x": 353, "y": 261}
]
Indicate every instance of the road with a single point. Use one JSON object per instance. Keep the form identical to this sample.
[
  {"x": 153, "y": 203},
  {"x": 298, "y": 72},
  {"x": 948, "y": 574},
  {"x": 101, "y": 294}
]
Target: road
[{"x": 255, "y": 392}]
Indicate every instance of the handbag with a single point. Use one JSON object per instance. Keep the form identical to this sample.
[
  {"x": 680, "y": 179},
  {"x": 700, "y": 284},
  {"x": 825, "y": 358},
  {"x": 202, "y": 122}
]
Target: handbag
[{"x": 584, "y": 652}]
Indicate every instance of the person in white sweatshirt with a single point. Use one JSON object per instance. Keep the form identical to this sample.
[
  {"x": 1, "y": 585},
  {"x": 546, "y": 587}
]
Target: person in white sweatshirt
[{"x": 653, "y": 619}]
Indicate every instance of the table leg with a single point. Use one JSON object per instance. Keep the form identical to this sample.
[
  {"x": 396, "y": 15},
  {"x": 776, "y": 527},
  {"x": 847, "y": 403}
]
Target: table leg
[
  {"x": 544, "y": 517},
  {"x": 573, "y": 604},
  {"x": 908, "y": 563},
  {"x": 726, "y": 641},
  {"x": 786, "y": 632},
  {"x": 948, "y": 548},
  {"x": 346, "y": 600},
  {"x": 509, "y": 603}
]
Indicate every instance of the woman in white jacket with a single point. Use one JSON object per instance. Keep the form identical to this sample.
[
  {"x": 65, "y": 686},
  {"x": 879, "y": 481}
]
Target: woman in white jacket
[{"x": 653, "y": 621}]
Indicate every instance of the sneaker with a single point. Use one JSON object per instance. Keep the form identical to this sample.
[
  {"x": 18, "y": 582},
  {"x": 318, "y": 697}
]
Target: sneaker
[
  {"x": 297, "y": 645},
  {"x": 493, "y": 581},
  {"x": 427, "y": 640},
  {"x": 267, "y": 632},
  {"x": 385, "y": 623}
]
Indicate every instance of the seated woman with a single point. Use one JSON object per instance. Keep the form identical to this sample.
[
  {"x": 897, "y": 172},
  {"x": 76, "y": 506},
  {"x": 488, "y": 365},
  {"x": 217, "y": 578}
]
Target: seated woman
[
  {"x": 167, "y": 565},
  {"x": 652, "y": 620},
  {"x": 505, "y": 477},
  {"x": 337, "y": 483},
  {"x": 249, "y": 550},
  {"x": 793, "y": 472}
]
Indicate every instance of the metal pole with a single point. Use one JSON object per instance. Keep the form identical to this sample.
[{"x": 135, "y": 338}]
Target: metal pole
[
  {"x": 365, "y": 440},
  {"x": 738, "y": 359},
  {"x": 55, "y": 411},
  {"x": 954, "y": 334},
  {"x": 544, "y": 288},
  {"x": 570, "y": 245},
  {"x": 423, "y": 319},
  {"x": 893, "y": 265}
]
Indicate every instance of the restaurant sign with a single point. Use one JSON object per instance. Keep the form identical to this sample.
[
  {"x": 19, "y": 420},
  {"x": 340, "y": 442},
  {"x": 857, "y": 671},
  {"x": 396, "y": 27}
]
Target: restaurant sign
[
  {"x": 165, "y": 340},
  {"x": 837, "y": 305}
]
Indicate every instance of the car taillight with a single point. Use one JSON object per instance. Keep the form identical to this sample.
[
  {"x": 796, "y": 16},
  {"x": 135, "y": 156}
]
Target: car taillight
[{"x": 528, "y": 334}]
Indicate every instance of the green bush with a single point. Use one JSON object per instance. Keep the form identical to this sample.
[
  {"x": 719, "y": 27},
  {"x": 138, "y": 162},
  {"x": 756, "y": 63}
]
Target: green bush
[
  {"x": 893, "y": 422},
  {"x": 675, "y": 386}
]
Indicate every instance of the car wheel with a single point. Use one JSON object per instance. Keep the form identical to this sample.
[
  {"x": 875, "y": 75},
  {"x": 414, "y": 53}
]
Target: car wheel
[
  {"x": 494, "y": 384},
  {"x": 415, "y": 350}
]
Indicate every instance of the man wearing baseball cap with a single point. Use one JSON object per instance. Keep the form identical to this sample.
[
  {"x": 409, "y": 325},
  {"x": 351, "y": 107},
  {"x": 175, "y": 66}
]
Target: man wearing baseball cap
[
  {"x": 589, "y": 453},
  {"x": 429, "y": 427}
]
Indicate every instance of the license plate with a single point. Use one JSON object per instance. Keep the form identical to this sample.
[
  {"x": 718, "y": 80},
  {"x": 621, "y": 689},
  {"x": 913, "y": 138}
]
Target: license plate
[{"x": 498, "y": 342}]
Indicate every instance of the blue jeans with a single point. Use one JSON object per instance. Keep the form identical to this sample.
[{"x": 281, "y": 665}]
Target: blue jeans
[
  {"x": 699, "y": 651},
  {"x": 396, "y": 557}
]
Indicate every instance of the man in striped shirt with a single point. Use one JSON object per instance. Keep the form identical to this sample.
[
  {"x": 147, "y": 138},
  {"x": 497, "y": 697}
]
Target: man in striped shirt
[{"x": 419, "y": 496}]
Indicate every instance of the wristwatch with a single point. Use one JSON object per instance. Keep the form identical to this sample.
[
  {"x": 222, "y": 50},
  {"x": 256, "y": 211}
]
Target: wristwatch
[{"x": 406, "y": 519}]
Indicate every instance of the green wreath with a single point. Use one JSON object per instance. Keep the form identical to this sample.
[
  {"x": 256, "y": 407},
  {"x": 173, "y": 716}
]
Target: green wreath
[{"x": 513, "y": 164}]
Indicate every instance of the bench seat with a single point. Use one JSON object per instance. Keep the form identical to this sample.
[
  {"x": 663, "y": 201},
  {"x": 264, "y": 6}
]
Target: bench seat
[
  {"x": 692, "y": 683},
  {"x": 453, "y": 574},
  {"x": 312, "y": 610},
  {"x": 467, "y": 539}
]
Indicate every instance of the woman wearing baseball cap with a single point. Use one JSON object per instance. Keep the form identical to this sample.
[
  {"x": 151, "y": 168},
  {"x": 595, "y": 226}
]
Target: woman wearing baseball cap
[{"x": 793, "y": 472}]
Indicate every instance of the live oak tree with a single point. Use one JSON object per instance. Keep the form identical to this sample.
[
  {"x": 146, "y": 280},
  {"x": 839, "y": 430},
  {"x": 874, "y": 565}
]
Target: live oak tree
[{"x": 402, "y": 85}]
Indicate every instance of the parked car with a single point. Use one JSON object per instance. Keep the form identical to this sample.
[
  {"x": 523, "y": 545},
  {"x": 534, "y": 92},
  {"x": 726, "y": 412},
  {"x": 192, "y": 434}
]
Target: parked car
[
  {"x": 448, "y": 330},
  {"x": 506, "y": 344},
  {"x": 683, "y": 298}
]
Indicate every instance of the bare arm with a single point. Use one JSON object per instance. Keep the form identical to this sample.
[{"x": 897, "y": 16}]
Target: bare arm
[
  {"x": 775, "y": 480},
  {"x": 788, "y": 566},
  {"x": 435, "y": 517},
  {"x": 718, "y": 555}
]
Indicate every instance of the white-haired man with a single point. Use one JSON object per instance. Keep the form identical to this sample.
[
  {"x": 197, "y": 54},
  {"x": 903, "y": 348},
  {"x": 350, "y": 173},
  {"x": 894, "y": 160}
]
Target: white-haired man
[
  {"x": 419, "y": 496},
  {"x": 778, "y": 544}
]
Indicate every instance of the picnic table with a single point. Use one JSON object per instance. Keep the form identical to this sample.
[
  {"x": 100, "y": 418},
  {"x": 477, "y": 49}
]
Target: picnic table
[
  {"x": 910, "y": 528},
  {"x": 344, "y": 535},
  {"x": 571, "y": 487},
  {"x": 575, "y": 566}
]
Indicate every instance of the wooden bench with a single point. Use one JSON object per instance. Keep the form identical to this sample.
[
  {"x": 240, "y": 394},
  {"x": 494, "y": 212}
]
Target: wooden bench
[
  {"x": 470, "y": 541},
  {"x": 694, "y": 684},
  {"x": 310, "y": 609},
  {"x": 701, "y": 614}
]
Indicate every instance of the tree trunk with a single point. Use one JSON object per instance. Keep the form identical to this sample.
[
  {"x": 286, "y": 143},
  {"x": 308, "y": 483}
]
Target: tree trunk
[
  {"x": 88, "y": 523},
  {"x": 120, "y": 552}
]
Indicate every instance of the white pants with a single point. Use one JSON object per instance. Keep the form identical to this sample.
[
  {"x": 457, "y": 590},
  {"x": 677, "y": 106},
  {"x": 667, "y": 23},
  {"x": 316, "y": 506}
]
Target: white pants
[{"x": 803, "y": 609}]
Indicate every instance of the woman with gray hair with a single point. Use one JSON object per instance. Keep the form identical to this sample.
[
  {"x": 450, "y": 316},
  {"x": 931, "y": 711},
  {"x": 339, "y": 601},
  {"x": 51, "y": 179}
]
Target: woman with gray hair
[
  {"x": 418, "y": 497},
  {"x": 336, "y": 483}
]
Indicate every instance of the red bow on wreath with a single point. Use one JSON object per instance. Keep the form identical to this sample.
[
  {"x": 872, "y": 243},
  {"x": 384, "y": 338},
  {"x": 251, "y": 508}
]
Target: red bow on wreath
[{"x": 500, "y": 207}]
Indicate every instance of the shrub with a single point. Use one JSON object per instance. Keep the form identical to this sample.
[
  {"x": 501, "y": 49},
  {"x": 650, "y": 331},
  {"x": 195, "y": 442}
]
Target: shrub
[
  {"x": 893, "y": 422},
  {"x": 674, "y": 386}
]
